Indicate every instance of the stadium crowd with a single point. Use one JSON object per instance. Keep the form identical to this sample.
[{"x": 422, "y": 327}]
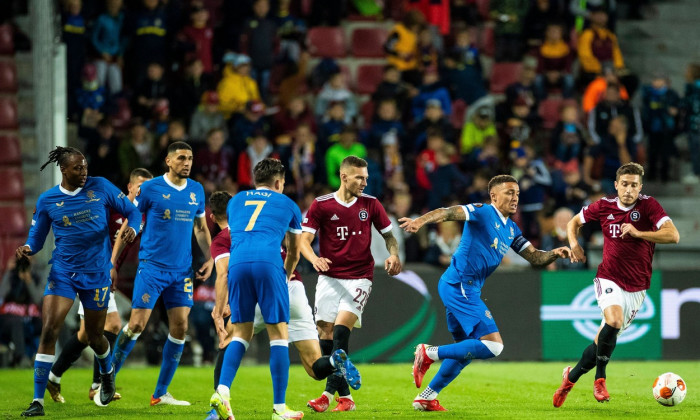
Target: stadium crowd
[{"x": 239, "y": 81}]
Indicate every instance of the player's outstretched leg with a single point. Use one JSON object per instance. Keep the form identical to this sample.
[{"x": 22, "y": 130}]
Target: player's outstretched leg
[
  {"x": 42, "y": 367},
  {"x": 126, "y": 340},
  {"x": 607, "y": 339},
  {"x": 572, "y": 375},
  {"x": 222, "y": 406},
  {"x": 449, "y": 370},
  {"x": 421, "y": 364},
  {"x": 70, "y": 353},
  {"x": 322, "y": 403},
  {"x": 566, "y": 386},
  {"x": 347, "y": 369}
]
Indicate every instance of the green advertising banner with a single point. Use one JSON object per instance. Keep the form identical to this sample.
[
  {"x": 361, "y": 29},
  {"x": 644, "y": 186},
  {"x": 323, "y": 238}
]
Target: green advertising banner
[{"x": 570, "y": 318}]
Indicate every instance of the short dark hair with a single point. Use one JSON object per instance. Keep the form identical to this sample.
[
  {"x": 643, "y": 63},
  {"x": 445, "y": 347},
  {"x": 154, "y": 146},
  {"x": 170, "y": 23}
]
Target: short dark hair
[
  {"x": 500, "y": 179},
  {"x": 353, "y": 161},
  {"x": 178, "y": 145},
  {"x": 631, "y": 168},
  {"x": 267, "y": 170},
  {"x": 218, "y": 203},
  {"x": 140, "y": 172}
]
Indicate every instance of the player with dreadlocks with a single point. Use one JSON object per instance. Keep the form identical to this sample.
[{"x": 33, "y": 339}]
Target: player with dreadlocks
[{"x": 77, "y": 210}]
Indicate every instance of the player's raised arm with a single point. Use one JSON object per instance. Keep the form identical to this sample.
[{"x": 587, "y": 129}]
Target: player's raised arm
[
  {"x": 539, "y": 258},
  {"x": 442, "y": 214},
  {"x": 572, "y": 229},
  {"x": 319, "y": 263},
  {"x": 667, "y": 233}
]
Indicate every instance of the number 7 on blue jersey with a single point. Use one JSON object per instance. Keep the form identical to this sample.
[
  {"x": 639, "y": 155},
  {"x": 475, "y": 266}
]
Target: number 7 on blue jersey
[{"x": 258, "y": 208}]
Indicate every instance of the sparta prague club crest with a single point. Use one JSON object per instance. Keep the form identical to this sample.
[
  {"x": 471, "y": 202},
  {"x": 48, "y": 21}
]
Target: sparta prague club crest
[{"x": 364, "y": 215}]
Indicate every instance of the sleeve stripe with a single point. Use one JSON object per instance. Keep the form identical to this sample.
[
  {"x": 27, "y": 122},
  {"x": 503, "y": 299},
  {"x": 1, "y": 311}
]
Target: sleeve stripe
[
  {"x": 386, "y": 229},
  {"x": 581, "y": 218},
  {"x": 295, "y": 231},
  {"x": 470, "y": 207},
  {"x": 525, "y": 245},
  {"x": 202, "y": 215},
  {"x": 662, "y": 221},
  {"x": 308, "y": 229},
  {"x": 218, "y": 257},
  {"x": 466, "y": 212}
]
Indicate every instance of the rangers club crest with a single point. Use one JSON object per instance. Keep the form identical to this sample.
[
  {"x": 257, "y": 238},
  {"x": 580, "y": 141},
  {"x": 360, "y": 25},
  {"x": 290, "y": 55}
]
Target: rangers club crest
[
  {"x": 634, "y": 216},
  {"x": 364, "y": 215}
]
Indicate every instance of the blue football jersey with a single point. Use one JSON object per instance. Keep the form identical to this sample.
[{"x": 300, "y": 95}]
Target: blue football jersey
[
  {"x": 80, "y": 223},
  {"x": 258, "y": 220},
  {"x": 170, "y": 210},
  {"x": 485, "y": 240}
]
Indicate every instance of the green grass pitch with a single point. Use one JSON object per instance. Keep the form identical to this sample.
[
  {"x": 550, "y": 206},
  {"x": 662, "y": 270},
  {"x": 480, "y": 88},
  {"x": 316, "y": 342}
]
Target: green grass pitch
[{"x": 503, "y": 390}]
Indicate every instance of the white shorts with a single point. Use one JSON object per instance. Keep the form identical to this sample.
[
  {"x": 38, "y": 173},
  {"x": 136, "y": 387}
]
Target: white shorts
[
  {"x": 301, "y": 320},
  {"x": 608, "y": 294},
  {"x": 335, "y": 295},
  {"x": 111, "y": 306}
]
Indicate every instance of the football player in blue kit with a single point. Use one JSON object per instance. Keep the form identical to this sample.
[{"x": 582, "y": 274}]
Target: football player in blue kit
[
  {"x": 77, "y": 210},
  {"x": 488, "y": 234},
  {"x": 174, "y": 207}
]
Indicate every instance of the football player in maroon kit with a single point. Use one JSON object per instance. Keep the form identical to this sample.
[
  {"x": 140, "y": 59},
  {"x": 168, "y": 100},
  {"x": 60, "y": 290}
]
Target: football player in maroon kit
[
  {"x": 632, "y": 224},
  {"x": 343, "y": 221},
  {"x": 76, "y": 344}
]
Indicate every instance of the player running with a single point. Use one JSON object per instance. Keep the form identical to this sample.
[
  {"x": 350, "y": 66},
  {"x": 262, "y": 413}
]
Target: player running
[
  {"x": 487, "y": 235},
  {"x": 344, "y": 223},
  {"x": 632, "y": 224},
  {"x": 77, "y": 211},
  {"x": 302, "y": 331},
  {"x": 174, "y": 207},
  {"x": 78, "y": 342}
]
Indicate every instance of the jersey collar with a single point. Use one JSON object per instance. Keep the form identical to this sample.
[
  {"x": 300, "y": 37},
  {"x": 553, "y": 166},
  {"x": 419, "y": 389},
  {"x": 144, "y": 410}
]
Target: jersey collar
[
  {"x": 623, "y": 208},
  {"x": 503, "y": 218},
  {"x": 71, "y": 193},
  {"x": 342, "y": 203},
  {"x": 177, "y": 187}
]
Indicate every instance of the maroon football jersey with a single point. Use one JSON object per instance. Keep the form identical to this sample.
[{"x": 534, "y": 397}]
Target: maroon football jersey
[
  {"x": 345, "y": 233},
  {"x": 221, "y": 248},
  {"x": 116, "y": 221},
  {"x": 626, "y": 261}
]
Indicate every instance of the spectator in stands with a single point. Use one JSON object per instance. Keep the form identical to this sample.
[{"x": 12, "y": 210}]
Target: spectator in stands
[
  {"x": 426, "y": 162},
  {"x": 477, "y": 192},
  {"x": 392, "y": 162},
  {"x": 402, "y": 46},
  {"x": 659, "y": 111},
  {"x": 150, "y": 91},
  {"x": 443, "y": 244},
  {"x": 286, "y": 122},
  {"x": 291, "y": 32},
  {"x": 109, "y": 44},
  {"x": 427, "y": 51},
  {"x": 463, "y": 78},
  {"x": 391, "y": 87},
  {"x": 614, "y": 150},
  {"x": 691, "y": 112},
  {"x": 568, "y": 140},
  {"x": 557, "y": 237},
  {"x": 325, "y": 12},
  {"x": 336, "y": 90},
  {"x": 474, "y": 132},
  {"x": 197, "y": 37},
  {"x": 294, "y": 80},
  {"x": 259, "y": 41},
  {"x": 465, "y": 11},
  {"x": 186, "y": 98},
  {"x": 431, "y": 91},
  {"x": 568, "y": 188},
  {"x": 525, "y": 87},
  {"x": 136, "y": 150},
  {"x": 21, "y": 292},
  {"x": 534, "y": 180},
  {"x": 488, "y": 156},
  {"x": 347, "y": 145},
  {"x": 148, "y": 32},
  {"x": 174, "y": 132},
  {"x": 207, "y": 117},
  {"x": 583, "y": 11},
  {"x": 243, "y": 126},
  {"x": 90, "y": 97},
  {"x": 328, "y": 134},
  {"x": 509, "y": 16},
  {"x": 541, "y": 14},
  {"x": 259, "y": 149},
  {"x": 213, "y": 164},
  {"x": 158, "y": 124},
  {"x": 518, "y": 124},
  {"x": 598, "y": 45},
  {"x": 236, "y": 87},
  {"x": 101, "y": 151},
  {"x": 75, "y": 37},
  {"x": 435, "y": 120},
  {"x": 611, "y": 106},
  {"x": 595, "y": 91},
  {"x": 302, "y": 162},
  {"x": 387, "y": 122},
  {"x": 446, "y": 179},
  {"x": 554, "y": 59}
]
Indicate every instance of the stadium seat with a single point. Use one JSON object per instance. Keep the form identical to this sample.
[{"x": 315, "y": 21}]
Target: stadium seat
[
  {"x": 487, "y": 43},
  {"x": 503, "y": 74},
  {"x": 368, "y": 42},
  {"x": 368, "y": 77},
  {"x": 11, "y": 150},
  {"x": 12, "y": 185},
  {"x": 8, "y": 114},
  {"x": 8, "y": 77},
  {"x": 326, "y": 41},
  {"x": 12, "y": 220},
  {"x": 7, "y": 45},
  {"x": 459, "y": 111},
  {"x": 549, "y": 111},
  {"x": 367, "y": 112},
  {"x": 484, "y": 8},
  {"x": 8, "y": 245}
]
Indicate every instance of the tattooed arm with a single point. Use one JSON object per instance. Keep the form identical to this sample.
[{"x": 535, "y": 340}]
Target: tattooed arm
[
  {"x": 436, "y": 216},
  {"x": 392, "y": 264},
  {"x": 539, "y": 258}
]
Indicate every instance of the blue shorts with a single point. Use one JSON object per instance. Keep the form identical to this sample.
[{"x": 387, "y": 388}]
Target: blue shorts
[
  {"x": 92, "y": 288},
  {"x": 467, "y": 314},
  {"x": 174, "y": 286},
  {"x": 258, "y": 282}
]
